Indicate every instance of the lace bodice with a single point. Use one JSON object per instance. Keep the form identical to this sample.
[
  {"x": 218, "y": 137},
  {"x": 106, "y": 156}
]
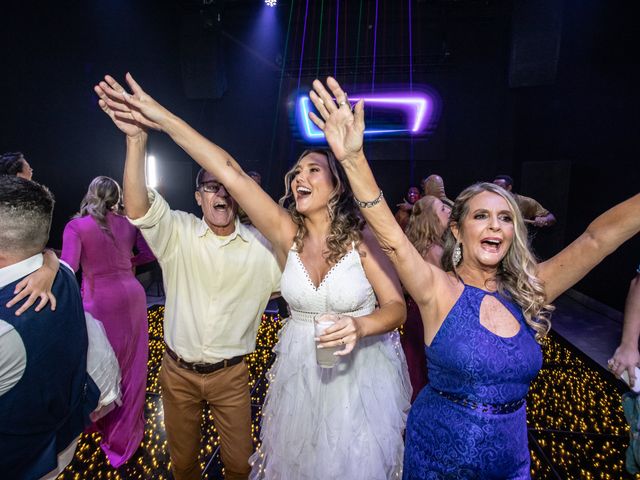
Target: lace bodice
[
  {"x": 352, "y": 414},
  {"x": 344, "y": 288}
]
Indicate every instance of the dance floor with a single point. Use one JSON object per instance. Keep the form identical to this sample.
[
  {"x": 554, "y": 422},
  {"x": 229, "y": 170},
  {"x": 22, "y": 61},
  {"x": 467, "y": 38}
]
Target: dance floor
[{"x": 576, "y": 425}]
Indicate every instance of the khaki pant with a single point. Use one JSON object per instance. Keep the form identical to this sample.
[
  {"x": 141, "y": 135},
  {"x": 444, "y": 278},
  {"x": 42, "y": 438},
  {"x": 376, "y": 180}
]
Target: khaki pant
[{"x": 227, "y": 393}]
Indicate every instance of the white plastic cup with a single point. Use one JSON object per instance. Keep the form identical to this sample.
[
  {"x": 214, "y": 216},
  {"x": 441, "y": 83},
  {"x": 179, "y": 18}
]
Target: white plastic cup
[{"x": 325, "y": 356}]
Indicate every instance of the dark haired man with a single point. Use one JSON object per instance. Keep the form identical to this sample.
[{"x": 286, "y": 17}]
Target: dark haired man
[
  {"x": 14, "y": 163},
  {"x": 46, "y": 394}
]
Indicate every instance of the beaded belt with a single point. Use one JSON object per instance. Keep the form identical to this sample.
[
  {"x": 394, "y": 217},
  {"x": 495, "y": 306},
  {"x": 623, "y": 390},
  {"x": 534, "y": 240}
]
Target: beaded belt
[
  {"x": 203, "y": 368},
  {"x": 495, "y": 408},
  {"x": 307, "y": 317}
]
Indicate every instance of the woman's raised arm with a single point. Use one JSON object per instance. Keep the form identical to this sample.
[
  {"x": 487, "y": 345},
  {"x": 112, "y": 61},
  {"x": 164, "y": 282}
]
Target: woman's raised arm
[
  {"x": 602, "y": 237},
  {"x": 344, "y": 131},
  {"x": 273, "y": 221}
]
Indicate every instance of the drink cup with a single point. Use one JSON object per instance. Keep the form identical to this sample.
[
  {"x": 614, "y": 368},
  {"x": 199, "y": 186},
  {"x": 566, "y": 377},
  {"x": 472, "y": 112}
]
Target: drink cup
[{"x": 325, "y": 356}]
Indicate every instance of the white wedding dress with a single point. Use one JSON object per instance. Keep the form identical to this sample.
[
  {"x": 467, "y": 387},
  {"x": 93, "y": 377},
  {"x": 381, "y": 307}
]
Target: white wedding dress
[{"x": 345, "y": 422}]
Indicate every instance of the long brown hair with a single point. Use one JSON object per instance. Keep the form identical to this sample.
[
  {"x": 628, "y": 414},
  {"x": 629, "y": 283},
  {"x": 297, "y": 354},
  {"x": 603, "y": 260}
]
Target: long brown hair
[
  {"x": 424, "y": 229},
  {"x": 103, "y": 195},
  {"x": 517, "y": 272},
  {"x": 346, "y": 221}
]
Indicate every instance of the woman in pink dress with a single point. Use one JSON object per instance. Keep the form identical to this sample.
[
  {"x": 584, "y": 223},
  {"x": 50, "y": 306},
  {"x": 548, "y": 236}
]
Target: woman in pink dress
[{"x": 101, "y": 241}]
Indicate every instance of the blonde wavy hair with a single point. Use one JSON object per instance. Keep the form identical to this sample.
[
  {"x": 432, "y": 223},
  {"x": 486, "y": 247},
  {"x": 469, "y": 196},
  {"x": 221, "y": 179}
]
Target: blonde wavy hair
[
  {"x": 424, "y": 229},
  {"x": 103, "y": 195},
  {"x": 517, "y": 272},
  {"x": 346, "y": 221}
]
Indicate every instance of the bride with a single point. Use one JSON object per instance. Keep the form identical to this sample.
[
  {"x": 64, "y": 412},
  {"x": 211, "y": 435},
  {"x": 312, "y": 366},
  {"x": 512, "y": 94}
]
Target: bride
[{"x": 340, "y": 422}]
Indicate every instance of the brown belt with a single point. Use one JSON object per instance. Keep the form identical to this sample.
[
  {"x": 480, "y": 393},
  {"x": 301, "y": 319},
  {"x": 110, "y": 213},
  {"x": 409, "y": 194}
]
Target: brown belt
[{"x": 203, "y": 368}]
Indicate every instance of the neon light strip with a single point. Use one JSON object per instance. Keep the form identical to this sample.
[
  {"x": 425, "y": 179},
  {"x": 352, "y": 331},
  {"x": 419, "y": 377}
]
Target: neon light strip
[{"x": 417, "y": 108}]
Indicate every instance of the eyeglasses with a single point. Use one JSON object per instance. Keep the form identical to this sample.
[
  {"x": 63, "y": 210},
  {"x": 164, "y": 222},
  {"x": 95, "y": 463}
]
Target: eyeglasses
[{"x": 210, "y": 187}]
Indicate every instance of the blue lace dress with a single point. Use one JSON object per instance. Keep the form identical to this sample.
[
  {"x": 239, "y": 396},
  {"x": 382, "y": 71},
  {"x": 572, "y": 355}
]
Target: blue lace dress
[{"x": 469, "y": 422}]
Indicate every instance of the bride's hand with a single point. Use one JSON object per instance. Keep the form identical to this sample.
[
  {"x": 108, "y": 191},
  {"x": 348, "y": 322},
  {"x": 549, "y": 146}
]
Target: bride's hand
[
  {"x": 346, "y": 331},
  {"x": 36, "y": 286},
  {"x": 136, "y": 108},
  {"x": 129, "y": 126},
  {"x": 343, "y": 128}
]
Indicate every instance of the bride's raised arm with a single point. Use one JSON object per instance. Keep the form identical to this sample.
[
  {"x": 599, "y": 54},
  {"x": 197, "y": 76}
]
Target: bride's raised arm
[
  {"x": 344, "y": 131},
  {"x": 272, "y": 220}
]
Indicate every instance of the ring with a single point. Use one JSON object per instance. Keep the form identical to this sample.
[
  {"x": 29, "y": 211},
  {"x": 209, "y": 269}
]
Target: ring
[{"x": 344, "y": 102}]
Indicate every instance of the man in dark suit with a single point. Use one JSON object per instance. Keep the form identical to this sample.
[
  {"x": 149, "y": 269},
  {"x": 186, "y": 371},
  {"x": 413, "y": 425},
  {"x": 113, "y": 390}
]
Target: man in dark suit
[{"x": 46, "y": 394}]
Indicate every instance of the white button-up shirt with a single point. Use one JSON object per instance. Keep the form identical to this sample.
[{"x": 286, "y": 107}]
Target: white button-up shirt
[{"x": 216, "y": 287}]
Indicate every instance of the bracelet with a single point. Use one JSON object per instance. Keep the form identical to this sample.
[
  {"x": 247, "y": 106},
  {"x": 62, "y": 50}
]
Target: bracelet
[{"x": 370, "y": 204}]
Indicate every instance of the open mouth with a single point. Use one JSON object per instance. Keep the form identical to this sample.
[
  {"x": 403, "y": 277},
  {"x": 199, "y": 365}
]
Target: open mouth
[
  {"x": 303, "y": 192},
  {"x": 220, "y": 206},
  {"x": 491, "y": 245}
]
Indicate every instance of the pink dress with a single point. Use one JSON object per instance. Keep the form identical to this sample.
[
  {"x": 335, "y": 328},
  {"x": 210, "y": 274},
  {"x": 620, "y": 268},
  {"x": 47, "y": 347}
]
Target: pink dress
[{"x": 112, "y": 294}]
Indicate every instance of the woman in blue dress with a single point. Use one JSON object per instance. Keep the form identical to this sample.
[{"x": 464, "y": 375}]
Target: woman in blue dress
[{"x": 483, "y": 312}]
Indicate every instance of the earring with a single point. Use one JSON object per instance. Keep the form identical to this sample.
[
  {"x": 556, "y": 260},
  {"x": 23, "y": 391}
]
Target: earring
[{"x": 457, "y": 255}]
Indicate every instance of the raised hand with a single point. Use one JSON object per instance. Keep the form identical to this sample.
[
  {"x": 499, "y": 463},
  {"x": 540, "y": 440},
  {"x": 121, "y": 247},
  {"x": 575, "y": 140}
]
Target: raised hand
[
  {"x": 129, "y": 126},
  {"x": 127, "y": 110},
  {"x": 342, "y": 127}
]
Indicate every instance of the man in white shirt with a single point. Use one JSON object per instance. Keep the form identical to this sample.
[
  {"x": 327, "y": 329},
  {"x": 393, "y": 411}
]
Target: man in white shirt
[{"x": 218, "y": 277}]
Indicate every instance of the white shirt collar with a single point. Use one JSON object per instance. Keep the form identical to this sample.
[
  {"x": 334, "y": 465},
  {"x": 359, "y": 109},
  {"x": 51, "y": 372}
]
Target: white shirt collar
[
  {"x": 21, "y": 269},
  {"x": 239, "y": 230}
]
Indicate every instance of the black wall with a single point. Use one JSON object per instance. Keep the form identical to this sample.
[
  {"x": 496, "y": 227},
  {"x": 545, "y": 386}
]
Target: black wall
[{"x": 573, "y": 138}]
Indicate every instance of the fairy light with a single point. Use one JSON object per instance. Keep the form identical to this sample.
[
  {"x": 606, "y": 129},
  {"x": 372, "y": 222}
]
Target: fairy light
[
  {"x": 575, "y": 414},
  {"x": 152, "y": 459},
  {"x": 573, "y": 410}
]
